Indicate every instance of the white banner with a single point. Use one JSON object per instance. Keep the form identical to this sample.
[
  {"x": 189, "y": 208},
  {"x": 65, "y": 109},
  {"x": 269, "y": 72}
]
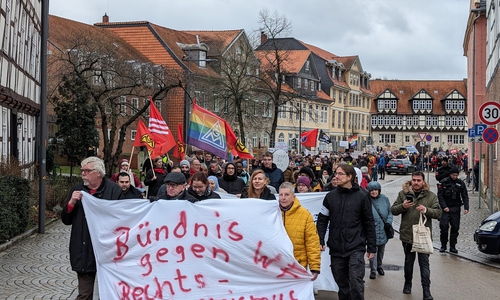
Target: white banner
[{"x": 213, "y": 249}]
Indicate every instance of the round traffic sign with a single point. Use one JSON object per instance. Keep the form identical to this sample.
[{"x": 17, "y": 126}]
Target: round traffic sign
[
  {"x": 428, "y": 137},
  {"x": 490, "y": 135},
  {"x": 489, "y": 113}
]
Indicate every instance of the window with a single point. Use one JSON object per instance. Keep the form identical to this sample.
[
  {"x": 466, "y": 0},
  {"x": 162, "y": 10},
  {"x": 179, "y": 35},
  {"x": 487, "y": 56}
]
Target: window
[
  {"x": 256, "y": 107},
  {"x": 456, "y": 139},
  {"x": 123, "y": 105},
  {"x": 333, "y": 118},
  {"x": 145, "y": 101},
  {"x": 304, "y": 111},
  {"x": 387, "y": 138},
  {"x": 216, "y": 103},
  {"x": 374, "y": 120},
  {"x": 132, "y": 134},
  {"x": 297, "y": 116},
  {"x": 255, "y": 141},
  {"x": 282, "y": 112},
  {"x": 265, "y": 139},
  {"x": 407, "y": 139},
  {"x": 135, "y": 105},
  {"x": 299, "y": 82},
  {"x": 340, "y": 119},
  {"x": 281, "y": 137},
  {"x": 436, "y": 139},
  {"x": 290, "y": 140},
  {"x": 324, "y": 114},
  {"x": 264, "y": 108},
  {"x": 8, "y": 12},
  {"x": 307, "y": 65}
]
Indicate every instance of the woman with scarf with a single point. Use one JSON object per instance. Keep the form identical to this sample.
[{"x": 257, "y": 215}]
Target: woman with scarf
[
  {"x": 258, "y": 187},
  {"x": 154, "y": 178},
  {"x": 200, "y": 187},
  {"x": 230, "y": 181},
  {"x": 214, "y": 184}
]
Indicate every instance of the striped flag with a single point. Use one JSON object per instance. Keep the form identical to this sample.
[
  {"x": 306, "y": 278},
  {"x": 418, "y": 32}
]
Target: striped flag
[{"x": 160, "y": 132}]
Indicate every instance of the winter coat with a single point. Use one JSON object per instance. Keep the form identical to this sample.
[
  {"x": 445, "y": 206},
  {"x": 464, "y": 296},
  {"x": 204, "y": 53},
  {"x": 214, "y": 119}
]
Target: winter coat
[
  {"x": 266, "y": 194},
  {"x": 384, "y": 207},
  {"x": 411, "y": 216},
  {"x": 299, "y": 226},
  {"x": 208, "y": 194},
  {"x": 288, "y": 175},
  {"x": 275, "y": 176},
  {"x": 131, "y": 193},
  {"x": 351, "y": 226},
  {"x": 81, "y": 254},
  {"x": 154, "y": 185},
  {"x": 231, "y": 184},
  {"x": 184, "y": 195},
  {"x": 134, "y": 180}
]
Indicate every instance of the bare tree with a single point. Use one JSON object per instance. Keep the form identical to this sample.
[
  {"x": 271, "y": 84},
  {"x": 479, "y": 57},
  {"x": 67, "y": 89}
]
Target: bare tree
[
  {"x": 274, "y": 56},
  {"x": 111, "y": 73}
]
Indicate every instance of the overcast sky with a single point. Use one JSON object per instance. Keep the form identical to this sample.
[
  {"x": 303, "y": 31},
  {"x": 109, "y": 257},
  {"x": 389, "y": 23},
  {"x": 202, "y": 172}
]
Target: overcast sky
[{"x": 394, "y": 39}]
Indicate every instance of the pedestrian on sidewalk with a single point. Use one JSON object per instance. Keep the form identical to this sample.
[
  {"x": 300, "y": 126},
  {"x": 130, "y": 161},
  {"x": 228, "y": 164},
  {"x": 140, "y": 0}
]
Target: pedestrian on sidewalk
[
  {"x": 452, "y": 194},
  {"x": 381, "y": 209},
  {"x": 81, "y": 254},
  {"x": 414, "y": 199}
]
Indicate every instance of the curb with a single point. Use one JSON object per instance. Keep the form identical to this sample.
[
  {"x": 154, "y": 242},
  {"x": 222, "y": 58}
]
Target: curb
[{"x": 15, "y": 240}]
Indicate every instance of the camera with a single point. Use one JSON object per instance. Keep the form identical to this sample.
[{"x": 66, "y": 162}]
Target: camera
[{"x": 409, "y": 197}]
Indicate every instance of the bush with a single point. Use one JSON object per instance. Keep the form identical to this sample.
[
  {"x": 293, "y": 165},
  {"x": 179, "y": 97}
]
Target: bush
[{"x": 14, "y": 206}]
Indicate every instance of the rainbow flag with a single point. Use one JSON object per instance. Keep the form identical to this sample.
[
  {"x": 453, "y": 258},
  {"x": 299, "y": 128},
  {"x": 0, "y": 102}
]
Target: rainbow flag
[{"x": 207, "y": 131}]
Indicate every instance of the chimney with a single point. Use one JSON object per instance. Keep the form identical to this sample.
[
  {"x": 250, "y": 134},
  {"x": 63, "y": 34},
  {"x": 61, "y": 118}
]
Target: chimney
[
  {"x": 263, "y": 37},
  {"x": 105, "y": 18}
]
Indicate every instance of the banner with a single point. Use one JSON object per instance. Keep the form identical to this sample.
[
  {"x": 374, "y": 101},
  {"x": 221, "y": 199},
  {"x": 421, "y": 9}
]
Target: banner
[
  {"x": 353, "y": 141},
  {"x": 235, "y": 145},
  {"x": 179, "y": 150},
  {"x": 323, "y": 137},
  {"x": 143, "y": 137},
  {"x": 206, "y": 250}
]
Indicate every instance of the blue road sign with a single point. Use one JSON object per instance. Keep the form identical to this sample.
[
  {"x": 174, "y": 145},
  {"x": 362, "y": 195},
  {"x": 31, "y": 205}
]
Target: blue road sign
[
  {"x": 478, "y": 129},
  {"x": 470, "y": 132}
]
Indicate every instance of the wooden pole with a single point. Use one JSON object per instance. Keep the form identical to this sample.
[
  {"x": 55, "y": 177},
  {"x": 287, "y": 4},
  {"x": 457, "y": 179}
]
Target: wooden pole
[{"x": 130, "y": 159}]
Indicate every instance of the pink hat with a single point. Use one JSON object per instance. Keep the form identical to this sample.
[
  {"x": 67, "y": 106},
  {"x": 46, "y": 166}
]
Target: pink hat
[{"x": 304, "y": 180}]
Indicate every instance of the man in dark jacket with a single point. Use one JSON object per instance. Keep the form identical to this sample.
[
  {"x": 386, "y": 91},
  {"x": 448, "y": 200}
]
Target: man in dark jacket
[
  {"x": 274, "y": 174},
  {"x": 443, "y": 171},
  {"x": 415, "y": 199},
  {"x": 175, "y": 188},
  {"x": 351, "y": 232},
  {"x": 81, "y": 254},
  {"x": 452, "y": 194},
  {"x": 128, "y": 190}
]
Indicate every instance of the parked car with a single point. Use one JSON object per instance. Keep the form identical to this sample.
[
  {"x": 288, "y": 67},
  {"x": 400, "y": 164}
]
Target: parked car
[
  {"x": 400, "y": 166},
  {"x": 487, "y": 237}
]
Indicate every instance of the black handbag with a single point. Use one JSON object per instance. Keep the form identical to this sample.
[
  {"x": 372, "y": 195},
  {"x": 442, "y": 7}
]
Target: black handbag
[{"x": 389, "y": 231}]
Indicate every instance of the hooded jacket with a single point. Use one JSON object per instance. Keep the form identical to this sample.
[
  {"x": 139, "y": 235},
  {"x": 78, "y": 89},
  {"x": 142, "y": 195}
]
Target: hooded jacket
[
  {"x": 81, "y": 254},
  {"x": 232, "y": 184},
  {"x": 382, "y": 204},
  {"x": 275, "y": 175},
  {"x": 352, "y": 228},
  {"x": 299, "y": 226},
  {"x": 411, "y": 216}
]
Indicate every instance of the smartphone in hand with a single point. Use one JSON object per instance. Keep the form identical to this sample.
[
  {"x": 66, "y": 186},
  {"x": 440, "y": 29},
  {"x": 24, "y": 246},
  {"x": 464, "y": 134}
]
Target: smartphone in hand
[{"x": 409, "y": 197}]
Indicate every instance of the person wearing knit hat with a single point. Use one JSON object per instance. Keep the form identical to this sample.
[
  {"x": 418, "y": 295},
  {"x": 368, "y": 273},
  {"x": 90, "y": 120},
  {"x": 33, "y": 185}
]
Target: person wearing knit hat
[
  {"x": 307, "y": 171},
  {"x": 185, "y": 166},
  {"x": 303, "y": 184},
  {"x": 124, "y": 167}
]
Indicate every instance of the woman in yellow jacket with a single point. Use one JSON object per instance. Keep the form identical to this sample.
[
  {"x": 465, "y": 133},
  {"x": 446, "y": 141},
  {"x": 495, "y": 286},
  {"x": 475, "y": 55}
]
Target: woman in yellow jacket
[{"x": 301, "y": 230}]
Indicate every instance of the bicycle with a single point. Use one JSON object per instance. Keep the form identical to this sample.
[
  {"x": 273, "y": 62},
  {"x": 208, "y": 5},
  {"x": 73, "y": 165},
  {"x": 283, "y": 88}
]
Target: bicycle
[{"x": 469, "y": 180}]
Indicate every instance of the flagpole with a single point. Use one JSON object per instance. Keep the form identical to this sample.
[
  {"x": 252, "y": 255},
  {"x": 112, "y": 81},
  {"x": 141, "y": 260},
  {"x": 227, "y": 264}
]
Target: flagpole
[
  {"x": 152, "y": 165},
  {"x": 130, "y": 160}
]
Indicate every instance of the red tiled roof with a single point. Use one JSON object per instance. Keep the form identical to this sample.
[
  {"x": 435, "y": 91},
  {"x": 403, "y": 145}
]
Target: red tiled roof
[
  {"x": 405, "y": 90},
  {"x": 292, "y": 60},
  {"x": 217, "y": 41}
]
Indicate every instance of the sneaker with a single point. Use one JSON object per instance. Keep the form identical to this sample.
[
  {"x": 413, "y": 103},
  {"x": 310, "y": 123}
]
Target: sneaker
[
  {"x": 380, "y": 271},
  {"x": 373, "y": 275}
]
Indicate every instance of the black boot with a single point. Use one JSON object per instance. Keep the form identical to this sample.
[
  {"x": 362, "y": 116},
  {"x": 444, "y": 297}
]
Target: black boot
[
  {"x": 442, "y": 249},
  {"x": 427, "y": 293},
  {"x": 407, "y": 287},
  {"x": 453, "y": 249}
]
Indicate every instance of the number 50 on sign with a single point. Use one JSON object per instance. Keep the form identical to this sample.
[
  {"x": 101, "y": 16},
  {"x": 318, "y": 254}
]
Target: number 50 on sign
[{"x": 489, "y": 113}]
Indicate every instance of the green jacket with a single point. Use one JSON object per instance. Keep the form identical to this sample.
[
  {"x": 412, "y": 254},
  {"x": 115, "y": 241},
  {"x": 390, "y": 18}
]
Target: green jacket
[{"x": 411, "y": 216}]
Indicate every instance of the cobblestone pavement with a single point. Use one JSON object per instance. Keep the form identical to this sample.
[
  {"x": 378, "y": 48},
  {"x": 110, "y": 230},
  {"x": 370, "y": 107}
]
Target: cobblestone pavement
[{"x": 37, "y": 266}]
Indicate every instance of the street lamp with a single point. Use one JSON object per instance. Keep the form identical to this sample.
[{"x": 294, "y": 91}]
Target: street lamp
[{"x": 20, "y": 121}]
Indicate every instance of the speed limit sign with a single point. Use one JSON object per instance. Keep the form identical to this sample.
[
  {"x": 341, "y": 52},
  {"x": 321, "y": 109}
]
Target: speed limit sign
[{"x": 489, "y": 113}]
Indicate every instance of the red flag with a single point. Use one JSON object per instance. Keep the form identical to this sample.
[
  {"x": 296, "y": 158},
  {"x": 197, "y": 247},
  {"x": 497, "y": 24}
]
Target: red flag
[
  {"x": 308, "y": 138},
  {"x": 180, "y": 149},
  {"x": 236, "y": 145},
  {"x": 143, "y": 137},
  {"x": 160, "y": 132}
]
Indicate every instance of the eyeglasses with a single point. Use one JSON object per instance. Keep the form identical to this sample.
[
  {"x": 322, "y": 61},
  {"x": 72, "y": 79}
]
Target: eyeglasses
[
  {"x": 172, "y": 185},
  {"x": 87, "y": 171},
  {"x": 339, "y": 174}
]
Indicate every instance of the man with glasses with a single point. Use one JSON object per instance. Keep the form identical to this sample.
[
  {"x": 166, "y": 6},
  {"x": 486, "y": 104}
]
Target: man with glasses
[
  {"x": 175, "y": 188},
  {"x": 351, "y": 232},
  {"x": 452, "y": 194},
  {"x": 81, "y": 254},
  {"x": 230, "y": 181}
]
